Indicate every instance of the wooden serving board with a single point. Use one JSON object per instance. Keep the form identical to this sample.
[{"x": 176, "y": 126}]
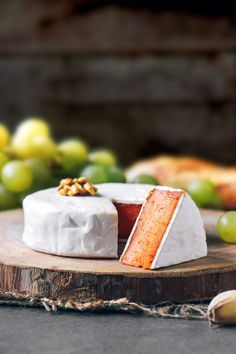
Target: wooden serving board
[{"x": 23, "y": 270}]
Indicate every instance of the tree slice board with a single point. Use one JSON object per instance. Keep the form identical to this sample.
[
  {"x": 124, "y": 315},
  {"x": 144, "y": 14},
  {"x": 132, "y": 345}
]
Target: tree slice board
[{"x": 24, "y": 271}]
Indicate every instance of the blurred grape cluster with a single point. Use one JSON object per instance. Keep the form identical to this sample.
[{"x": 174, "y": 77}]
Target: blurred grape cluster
[{"x": 31, "y": 160}]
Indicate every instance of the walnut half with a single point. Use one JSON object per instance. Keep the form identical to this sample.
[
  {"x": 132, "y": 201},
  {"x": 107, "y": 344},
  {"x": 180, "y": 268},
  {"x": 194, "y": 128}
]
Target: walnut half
[{"x": 77, "y": 186}]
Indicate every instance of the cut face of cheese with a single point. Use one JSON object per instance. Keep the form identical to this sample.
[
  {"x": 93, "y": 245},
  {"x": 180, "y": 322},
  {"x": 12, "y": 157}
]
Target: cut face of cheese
[
  {"x": 125, "y": 193},
  {"x": 71, "y": 226},
  {"x": 128, "y": 199},
  {"x": 168, "y": 231}
]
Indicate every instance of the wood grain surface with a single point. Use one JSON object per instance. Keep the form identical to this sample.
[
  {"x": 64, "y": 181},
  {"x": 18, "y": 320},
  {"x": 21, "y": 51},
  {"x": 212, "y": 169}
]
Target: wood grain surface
[
  {"x": 23, "y": 270},
  {"x": 69, "y": 28}
]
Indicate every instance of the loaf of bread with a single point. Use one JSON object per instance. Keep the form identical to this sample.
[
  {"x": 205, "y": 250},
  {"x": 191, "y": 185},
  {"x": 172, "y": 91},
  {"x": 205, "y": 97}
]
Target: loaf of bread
[{"x": 178, "y": 172}]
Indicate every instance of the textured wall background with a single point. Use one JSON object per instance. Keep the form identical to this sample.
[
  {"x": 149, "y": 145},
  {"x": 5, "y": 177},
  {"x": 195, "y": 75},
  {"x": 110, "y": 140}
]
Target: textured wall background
[{"x": 140, "y": 77}]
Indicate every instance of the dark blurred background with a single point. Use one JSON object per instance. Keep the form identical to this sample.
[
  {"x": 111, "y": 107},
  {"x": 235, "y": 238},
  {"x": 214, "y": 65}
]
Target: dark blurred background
[{"x": 140, "y": 77}]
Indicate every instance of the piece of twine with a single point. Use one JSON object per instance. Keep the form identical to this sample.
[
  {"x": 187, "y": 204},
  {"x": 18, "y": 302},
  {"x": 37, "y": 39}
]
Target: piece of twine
[{"x": 191, "y": 311}]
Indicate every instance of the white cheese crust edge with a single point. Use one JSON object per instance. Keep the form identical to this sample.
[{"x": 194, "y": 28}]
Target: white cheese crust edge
[{"x": 48, "y": 230}]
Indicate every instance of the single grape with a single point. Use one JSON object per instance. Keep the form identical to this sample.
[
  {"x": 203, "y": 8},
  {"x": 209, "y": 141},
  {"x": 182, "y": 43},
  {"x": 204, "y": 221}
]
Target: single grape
[
  {"x": 8, "y": 200},
  {"x": 32, "y": 127},
  {"x": 95, "y": 174},
  {"x": 16, "y": 176},
  {"x": 36, "y": 146},
  {"x": 116, "y": 174},
  {"x": 43, "y": 147},
  {"x": 22, "y": 147},
  {"x": 32, "y": 139},
  {"x": 203, "y": 192},
  {"x": 3, "y": 160},
  {"x": 145, "y": 179},
  {"x": 217, "y": 202},
  {"x": 40, "y": 170},
  {"x": 103, "y": 157},
  {"x": 4, "y": 136},
  {"x": 226, "y": 227},
  {"x": 72, "y": 153}
]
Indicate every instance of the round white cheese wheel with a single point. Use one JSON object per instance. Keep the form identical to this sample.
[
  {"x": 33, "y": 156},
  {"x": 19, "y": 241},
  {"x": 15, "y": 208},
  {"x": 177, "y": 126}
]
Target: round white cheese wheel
[{"x": 71, "y": 226}]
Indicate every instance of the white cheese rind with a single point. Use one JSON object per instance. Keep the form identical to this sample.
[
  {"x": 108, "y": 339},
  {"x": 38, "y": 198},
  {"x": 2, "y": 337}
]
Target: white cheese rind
[
  {"x": 185, "y": 238},
  {"x": 71, "y": 226},
  {"x": 125, "y": 193}
]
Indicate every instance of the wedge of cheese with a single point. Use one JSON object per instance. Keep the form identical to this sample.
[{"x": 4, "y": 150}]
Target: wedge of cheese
[
  {"x": 128, "y": 199},
  {"x": 168, "y": 231},
  {"x": 71, "y": 226}
]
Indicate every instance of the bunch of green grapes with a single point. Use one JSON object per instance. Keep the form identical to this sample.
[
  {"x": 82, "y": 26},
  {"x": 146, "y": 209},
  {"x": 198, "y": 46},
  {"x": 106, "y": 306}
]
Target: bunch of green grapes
[{"x": 31, "y": 160}]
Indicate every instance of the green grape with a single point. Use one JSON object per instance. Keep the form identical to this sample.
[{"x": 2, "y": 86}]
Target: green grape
[
  {"x": 145, "y": 179},
  {"x": 37, "y": 146},
  {"x": 103, "y": 157},
  {"x": 32, "y": 127},
  {"x": 8, "y": 200},
  {"x": 3, "y": 160},
  {"x": 40, "y": 170},
  {"x": 96, "y": 174},
  {"x": 216, "y": 202},
  {"x": 22, "y": 147},
  {"x": 116, "y": 174},
  {"x": 43, "y": 147},
  {"x": 16, "y": 176},
  {"x": 72, "y": 153},
  {"x": 4, "y": 136},
  {"x": 32, "y": 139},
  {"x": 203, "y": 192},
  {"x": 226, "y": 227}
]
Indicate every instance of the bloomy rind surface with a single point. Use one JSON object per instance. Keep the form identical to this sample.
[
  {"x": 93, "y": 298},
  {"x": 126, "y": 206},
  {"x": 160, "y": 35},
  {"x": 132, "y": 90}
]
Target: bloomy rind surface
[{"x": 68, "y": 226}]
